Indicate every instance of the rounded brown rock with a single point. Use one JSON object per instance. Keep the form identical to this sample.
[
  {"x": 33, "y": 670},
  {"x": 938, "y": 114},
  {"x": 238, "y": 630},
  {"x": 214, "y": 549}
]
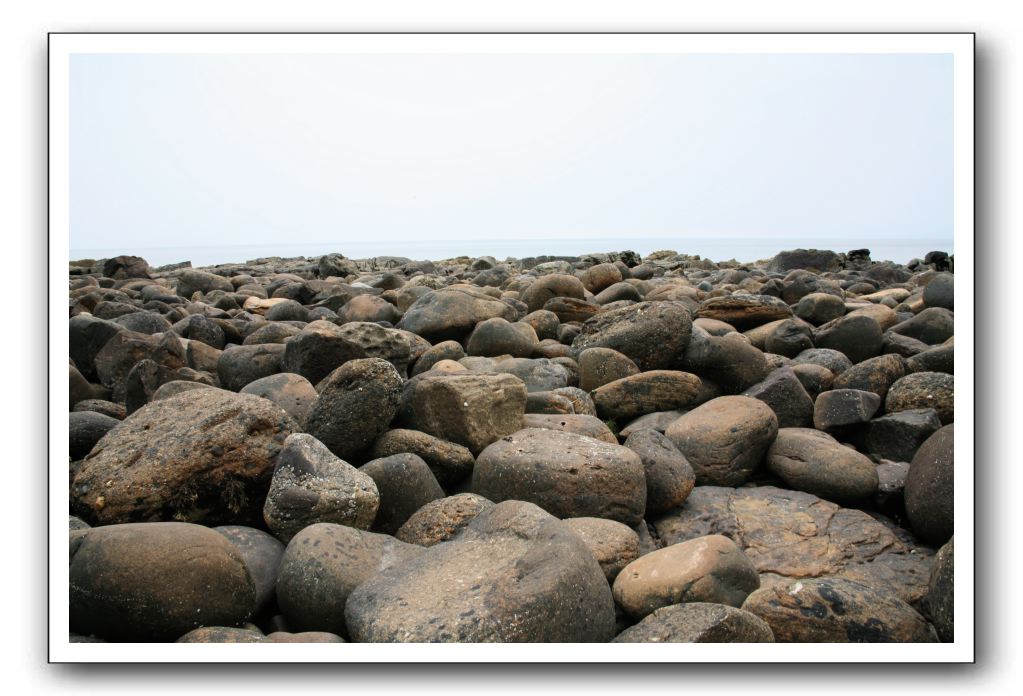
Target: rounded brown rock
[
  {"x": 155, "y": 581},
  {"x": 515, "y": 574},
  {"x": 567, "y": 475},
  {"x": 356, "y": 404},
  {"x": 600, "y": 366},
  {"x": 202, "y": 456},
  {"x": 450, "y": 463},
  {"x": 725, "y": 439},
  {"x": 705, "y": 569},
  {"x": 812, "y": 461},
  {"x": 669, "y": 476},
  {"x": 930, "y": 487},
  {"x": 442, "y": 519},
  {"x": 612, "y": 543},
  {"x": 646, "y": 392},
  {"x": 923, "y": 390}
]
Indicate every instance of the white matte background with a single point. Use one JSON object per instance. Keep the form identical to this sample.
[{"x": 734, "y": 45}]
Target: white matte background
[{"x": 23, "y": 140}]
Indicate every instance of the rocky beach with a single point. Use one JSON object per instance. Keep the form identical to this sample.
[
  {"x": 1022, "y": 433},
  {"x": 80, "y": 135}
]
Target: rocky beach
[{"x": 596, "y": 448}]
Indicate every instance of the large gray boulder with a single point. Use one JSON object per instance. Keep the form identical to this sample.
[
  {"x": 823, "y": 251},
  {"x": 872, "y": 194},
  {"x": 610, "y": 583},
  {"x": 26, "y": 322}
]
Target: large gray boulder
[{"x": 515, "y": 574}]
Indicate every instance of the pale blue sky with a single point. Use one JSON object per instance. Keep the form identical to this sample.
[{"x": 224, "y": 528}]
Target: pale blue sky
[{"x": 183, "y": 150}]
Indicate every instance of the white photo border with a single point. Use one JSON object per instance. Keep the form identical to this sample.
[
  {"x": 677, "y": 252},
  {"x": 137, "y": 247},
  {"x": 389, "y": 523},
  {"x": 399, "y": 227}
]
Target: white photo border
[{"x": 63, "y": 45}]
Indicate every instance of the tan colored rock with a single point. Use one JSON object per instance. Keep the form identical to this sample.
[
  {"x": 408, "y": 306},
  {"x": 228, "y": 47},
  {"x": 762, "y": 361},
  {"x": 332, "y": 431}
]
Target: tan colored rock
[
  {"x": 567, "y": 475},
  {"x": 612, "y": 543},
  {"x": 470, "y": 409},
  {"x": 725, "y": 439},
  {"x": 744, "y": 311},
  {"x": 441, "y": 520},
  {"x": 705, "y": 569},
  {"x": 812, "y": 461},
  {"x": 590, "y": 426},
  {"x": 647, "y": 392}
]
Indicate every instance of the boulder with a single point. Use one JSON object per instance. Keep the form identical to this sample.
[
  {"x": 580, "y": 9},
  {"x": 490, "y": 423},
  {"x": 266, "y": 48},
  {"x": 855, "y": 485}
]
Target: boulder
[
  {"x": 357, "y": 403},
  {"x": 445, "y": 350},
  {"x": 85, "y": 429},
  {"x": 728, "y": 361},
  {"x": 923, "y": 390},
  {"x": 791, "y": 535},
  {"x": 87, "y": 335},
  {"x": 203, "y": 456},
  {"x": 612, "y": 543},
  {"x": 449, "y": 462},
  {"x": 698, "y": 622},
  {"x": 812, "y": 461},
  {"x": 452, "y": 313},
  {"x": 567, "y": 475},
  {"x": 317, "y": 350},
  {"x": 155, "y": 581},
  {"x": 126, "y": 348},
  {"x": 669, "y": 476},
  {"x": 291, "y": 392},
  {"x": 405, "y": 483},
  {"x": 515, "y": 574},
  {"x": 707, "y": 569},
  {"x": 538, "y": 374},
  {"x": 498, "y": 336},
  {"x": 654, "y": 335},
  {"x": 833, "y": 360},
  {"x": 820, "y": 308},
  {"x": 240, "y": 365},
  {"x": 874, "y": 375},
  {"x": 311, "y": 485},
  {"x": 837, "y": 408},
  {"x": 262, "y": 556},
  {"x": 603, "y": 275},
  {"x": 897, "y": 436},
  {"x": 857, "y": 337},
  {"x": 789, "y": 339},
  {"x": 546, "y": 288},
  {"x": 814, "y": 378},
  {"x": 377, "y": 342},
  {"x": 930, "y": 487},
  {"x": 836, "y": 610},
  {"x": 367, "y": 308},
  {"x": 744, "y": 311},
  {"x": 941, "y": 592},
  {"x": 725, "y": 439},
  {"x": 940, "y": 292},
  {"x": 568, "y": 309},
  {"x": 600, "y": 366},
  {"x": 122, "y": 267},
  {"x": 785, "y": 395},
  {"x": 191, "y": 281},
  {"x": 472, "y": 410},
  {"x": 323, "y": 564},
  {"x": 932, "y": 325},
  {"x": 646, "y": 392},
  {"x": 580, "y": 424},
  {"x": 804, "y": 259},
  {"x": 441, "y": 520}
]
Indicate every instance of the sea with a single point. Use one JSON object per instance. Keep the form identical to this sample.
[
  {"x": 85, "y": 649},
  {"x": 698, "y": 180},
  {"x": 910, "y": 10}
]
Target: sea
[{"x": 742, "y": 249}]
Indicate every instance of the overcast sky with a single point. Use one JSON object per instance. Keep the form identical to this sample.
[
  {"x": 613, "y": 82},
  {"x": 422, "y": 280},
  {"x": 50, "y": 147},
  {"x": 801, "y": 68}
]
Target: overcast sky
[{"x": 179, "y": 150}]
